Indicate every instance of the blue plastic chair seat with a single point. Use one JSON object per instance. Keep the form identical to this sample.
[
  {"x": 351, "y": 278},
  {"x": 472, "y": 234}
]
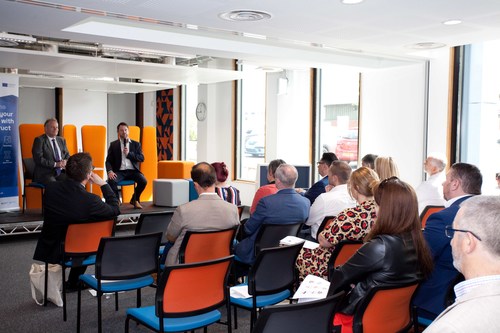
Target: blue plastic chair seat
[
  {"x": 262, "y": 301},
  {"x": 125, "y": 183},
  {"x": 118, "y": 285},
  {"x": 424, "y": 321},
  {"x": 147, "y": 315},
  {"x": 90, "y": 260},
  {"x": 36, "y": 185}
]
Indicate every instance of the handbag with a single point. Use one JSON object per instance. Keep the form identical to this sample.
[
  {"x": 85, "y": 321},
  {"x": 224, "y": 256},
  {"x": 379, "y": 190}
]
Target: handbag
[{"x": 54, "y": 283}]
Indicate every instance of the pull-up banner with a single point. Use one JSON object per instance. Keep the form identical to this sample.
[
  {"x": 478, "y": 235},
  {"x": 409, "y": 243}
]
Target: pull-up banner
[{"x": 9, "y": 137}]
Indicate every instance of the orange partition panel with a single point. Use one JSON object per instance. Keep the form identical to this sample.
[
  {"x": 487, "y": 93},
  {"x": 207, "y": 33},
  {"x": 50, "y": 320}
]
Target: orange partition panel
[
  {"x": 27, "y": 134},
  {"x": 175, "y": 169},
  {"x": 149, "y": 166},
  {"x": 94, "y": 143},
  {"x": 69, "y": 134},
  {"x": 134, "y": 133}
]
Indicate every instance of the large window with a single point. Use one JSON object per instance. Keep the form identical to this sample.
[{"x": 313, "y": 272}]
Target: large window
[
  {"x": 251, "y": 108},
  {"x": 479, "y": 131},
  {"x": 339, "y": 110}
]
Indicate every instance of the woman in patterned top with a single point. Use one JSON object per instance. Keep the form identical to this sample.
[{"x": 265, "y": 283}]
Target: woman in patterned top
[
  {"x": 351, "y": 224},
  {"x": 227, "y": 193}
]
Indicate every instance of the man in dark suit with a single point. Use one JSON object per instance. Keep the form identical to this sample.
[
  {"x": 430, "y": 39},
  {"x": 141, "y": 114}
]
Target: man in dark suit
[
  {"x": 68, "y": 202},
  {"x": 286, "y": 206},
  {"x": 122, "y": 163},
  {"x": 462, "y": 181},
  {"x": 49, "y": 154},
  {"x": 319, "y": 187}
]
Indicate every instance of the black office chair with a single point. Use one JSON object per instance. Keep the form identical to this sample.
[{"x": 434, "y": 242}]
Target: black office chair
[
  {"x": 270, "y": 280},
  {"x": 269, "y": 235},
  {"x": 315, "y": 316}
]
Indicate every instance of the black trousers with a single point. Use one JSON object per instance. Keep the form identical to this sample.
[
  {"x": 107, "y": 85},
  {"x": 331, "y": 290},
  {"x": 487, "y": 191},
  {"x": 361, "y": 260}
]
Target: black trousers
[{"x": 134, "y": 175}]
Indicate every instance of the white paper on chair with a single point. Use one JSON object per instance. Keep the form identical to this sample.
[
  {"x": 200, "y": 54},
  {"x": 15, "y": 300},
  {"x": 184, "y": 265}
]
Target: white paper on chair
[
  {"x": 312, "y": 288},
  {"x": 292, "y": 240},
  {"x": 239, "y": 291}
]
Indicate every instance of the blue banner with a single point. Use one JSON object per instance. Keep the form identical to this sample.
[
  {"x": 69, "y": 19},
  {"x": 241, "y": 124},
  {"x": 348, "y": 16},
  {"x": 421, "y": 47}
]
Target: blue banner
[{"x": 9, "y": 137}]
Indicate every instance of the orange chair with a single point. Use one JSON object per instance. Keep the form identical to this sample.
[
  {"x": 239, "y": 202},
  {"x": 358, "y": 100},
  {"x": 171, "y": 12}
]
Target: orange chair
[
  {"x": 94, "y": 143},
  {"x": 343, "y": 251},
  {"x": 183, "y": 303},
  {"x": 385, "y": 309},
  {"x": 199, "y": 246},
  {"x": 79, "y": 249},
  {"x": 149, "y": 166},
  {"x": 428, "y": 210},
  {"x": 69, "y": 134}
]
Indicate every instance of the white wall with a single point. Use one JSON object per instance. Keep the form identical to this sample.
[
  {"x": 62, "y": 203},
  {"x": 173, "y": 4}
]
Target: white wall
[
  {"x": 392, "y": 117},
  {"x": 121, "y": 107},
  {"x": 82, "y": 107},
  {"x": 36, "y": 105}
]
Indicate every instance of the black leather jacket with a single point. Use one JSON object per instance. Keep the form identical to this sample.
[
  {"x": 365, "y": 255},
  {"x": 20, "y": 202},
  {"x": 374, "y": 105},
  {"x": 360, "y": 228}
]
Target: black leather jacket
[{"x": 386, "y": 260}]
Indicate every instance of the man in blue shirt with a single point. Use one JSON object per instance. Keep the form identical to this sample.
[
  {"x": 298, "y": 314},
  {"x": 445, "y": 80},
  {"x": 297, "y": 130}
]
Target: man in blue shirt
[{"x": 319, "y": 187}]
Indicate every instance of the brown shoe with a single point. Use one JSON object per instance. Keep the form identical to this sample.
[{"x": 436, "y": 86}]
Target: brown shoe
[{"x": 136, "y": 204}]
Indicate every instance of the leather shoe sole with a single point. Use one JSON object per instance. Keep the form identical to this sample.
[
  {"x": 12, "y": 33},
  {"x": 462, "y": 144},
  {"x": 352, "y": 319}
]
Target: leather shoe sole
[{"x": 136, "y": 204}]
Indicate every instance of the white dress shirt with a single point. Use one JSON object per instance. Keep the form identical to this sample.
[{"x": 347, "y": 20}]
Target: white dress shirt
[{"x": 329, "y": 204}]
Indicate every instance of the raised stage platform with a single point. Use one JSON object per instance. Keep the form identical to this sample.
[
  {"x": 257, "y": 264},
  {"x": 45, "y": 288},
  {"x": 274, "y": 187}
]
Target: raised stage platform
[{"x": 16, "y": 223}]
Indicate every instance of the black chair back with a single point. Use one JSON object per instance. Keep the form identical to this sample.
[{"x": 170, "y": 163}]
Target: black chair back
[
  {"x": 127, "y": 257},
  {"x": 269, "y": 235},
  {"x": 314, "y": 316},
  {"x": 274, "y": 270},
  {"x": 154, "y": 222},
  {"x": 29, "y": 168}
]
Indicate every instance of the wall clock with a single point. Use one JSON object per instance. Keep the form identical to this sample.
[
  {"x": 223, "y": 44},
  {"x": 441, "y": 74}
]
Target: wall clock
[{"x": 201, "y": 111}]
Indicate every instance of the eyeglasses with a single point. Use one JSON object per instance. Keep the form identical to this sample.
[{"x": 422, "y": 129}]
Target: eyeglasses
[{"x": 450, "y": 232}]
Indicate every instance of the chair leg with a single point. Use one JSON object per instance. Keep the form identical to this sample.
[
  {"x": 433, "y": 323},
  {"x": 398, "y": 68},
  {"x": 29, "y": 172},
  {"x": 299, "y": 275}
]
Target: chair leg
[
  {"x": 99, "y": 319},
  {"x": 127, "y": 322},
  {"x": 78, "y": 308},
  {"x": 235, "y": 318},
  {"x": 228, "y": 311},
  {"x": 46, "y": 282},
  {"x": 253, "y": 316},
  {"x": 116, "y": 301},
  {"x": 139, "y": 298},
  {"x": 64, "y": 291}
]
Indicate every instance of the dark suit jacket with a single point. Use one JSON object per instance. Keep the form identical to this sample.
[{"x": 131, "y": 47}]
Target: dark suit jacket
[
  {"x": 317, "y": 189},
  {"x": 431, "y": 294},
  {"x": 286, "y": 206},
  {"x": 43, "y": 156},
  {"x": 67, "y": 202},
  {"x": 114, "y": 158}
]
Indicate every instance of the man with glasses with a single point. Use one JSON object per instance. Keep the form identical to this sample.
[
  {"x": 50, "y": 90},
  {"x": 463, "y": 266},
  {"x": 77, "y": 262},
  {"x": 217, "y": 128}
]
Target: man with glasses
[
  {"x": 319, "y": 187},
  {"x": 462, "y": 181},
  {"x": 475, "y": 240}
]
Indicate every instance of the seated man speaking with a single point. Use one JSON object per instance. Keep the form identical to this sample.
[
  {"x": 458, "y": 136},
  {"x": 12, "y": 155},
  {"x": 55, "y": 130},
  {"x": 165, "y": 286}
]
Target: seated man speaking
[
  {"x": 286, "y": 206},
  {"x": 207, "y": 213}
]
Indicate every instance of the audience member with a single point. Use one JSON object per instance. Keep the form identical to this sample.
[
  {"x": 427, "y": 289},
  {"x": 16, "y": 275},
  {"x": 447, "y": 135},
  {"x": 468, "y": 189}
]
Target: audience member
[
  {"x": 334, "y": 201},
  {"x": 462, "y": 181},
  {"x": 268, "y": 189},
  {"x": 350, "y": 224},
  {"x": 227, "y": 193},
  {"x": 286, "y": 206},
  {"x": 430, "y": 191},
  {"x": 122, "y": 163},
  {"x": 385, "y": 167},
  {"x": 49, "y": 154},
  {"x": 368, "y": 161},
  {"x": 475, "y": 244},
  {"x": 380, "y": 261},
  {"x": 208, "y": 212},
  {"x": 319, "y": 187},
  {"x": 68, "y": 202}
]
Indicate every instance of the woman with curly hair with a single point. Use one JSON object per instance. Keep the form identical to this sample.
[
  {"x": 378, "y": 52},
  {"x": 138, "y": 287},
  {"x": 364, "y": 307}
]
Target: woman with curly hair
[{"x": 350, "y": 224}]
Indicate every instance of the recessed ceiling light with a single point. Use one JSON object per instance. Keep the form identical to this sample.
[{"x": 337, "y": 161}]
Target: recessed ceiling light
[
  {"x": 351, "y": 2},
  {"x": 452, "y": 22},
  {"x": 245, "y": 15},
  {"x": 425, "y": 46}
]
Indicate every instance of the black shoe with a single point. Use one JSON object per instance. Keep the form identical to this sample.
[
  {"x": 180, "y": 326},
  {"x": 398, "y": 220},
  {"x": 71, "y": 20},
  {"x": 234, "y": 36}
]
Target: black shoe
[{"x": 71, "y": 288}]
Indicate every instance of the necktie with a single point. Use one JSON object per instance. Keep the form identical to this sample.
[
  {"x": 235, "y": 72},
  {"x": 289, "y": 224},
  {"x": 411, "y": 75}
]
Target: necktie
[{"x": 57, "y": 156}]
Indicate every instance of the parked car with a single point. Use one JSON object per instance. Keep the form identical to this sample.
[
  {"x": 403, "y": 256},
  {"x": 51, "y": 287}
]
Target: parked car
[
  {"x": 254, "y": 145},
  {"x": 347, "y": 146}
]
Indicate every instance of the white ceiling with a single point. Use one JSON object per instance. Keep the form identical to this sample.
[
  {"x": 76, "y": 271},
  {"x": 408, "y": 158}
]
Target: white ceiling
[{"x": 314, "y": 33}]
